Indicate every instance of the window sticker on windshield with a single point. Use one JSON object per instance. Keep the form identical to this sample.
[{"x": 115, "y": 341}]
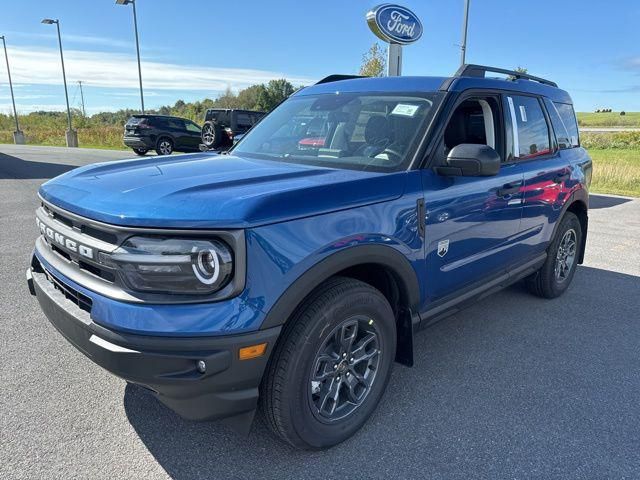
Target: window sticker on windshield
[
  {"x": 523, "y": 113},
  {"x": 405, "y": 109}
]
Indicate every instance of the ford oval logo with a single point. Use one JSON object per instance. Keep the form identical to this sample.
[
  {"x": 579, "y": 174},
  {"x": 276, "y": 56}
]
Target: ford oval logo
[{"x": 394, "y": 24}]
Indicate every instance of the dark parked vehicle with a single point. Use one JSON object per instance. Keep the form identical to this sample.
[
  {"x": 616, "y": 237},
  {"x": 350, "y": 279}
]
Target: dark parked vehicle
[
  {"x": 222, "y": 127},
  {"x": 293, "y": 271},
  {"x": 161, "y": 133}
]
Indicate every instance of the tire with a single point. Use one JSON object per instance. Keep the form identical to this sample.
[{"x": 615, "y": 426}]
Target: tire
[
  {"x": 211, "y": 135},
  {"x": 140, "y": 151},
  {"x": 164, "y": 146},
  {"x": 298, "y": 409},
  {"x": 556, "y": 274}
]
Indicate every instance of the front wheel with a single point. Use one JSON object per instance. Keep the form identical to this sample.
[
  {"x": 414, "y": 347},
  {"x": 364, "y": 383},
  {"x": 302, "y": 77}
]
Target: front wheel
[
  {"x": 555, "y": 275},
  {"x": 164, "y": 146},
  {"x": 331, "y": 366}
]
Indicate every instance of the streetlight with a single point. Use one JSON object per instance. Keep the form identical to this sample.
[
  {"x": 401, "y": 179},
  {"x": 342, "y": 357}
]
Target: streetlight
[
  {"x": 18, "y": 136},
  {"x": 135, "y": 27},
  {"x": 465, "y": 25},
  {"x": 71, "y": 134}
]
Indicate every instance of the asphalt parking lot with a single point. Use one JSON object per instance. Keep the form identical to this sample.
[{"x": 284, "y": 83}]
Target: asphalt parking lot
[{"x": 513, "y": 387}]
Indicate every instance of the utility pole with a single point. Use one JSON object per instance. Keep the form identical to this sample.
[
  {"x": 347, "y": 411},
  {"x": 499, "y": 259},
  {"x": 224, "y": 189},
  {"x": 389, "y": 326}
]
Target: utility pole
[
  {"x": 465, "y": 25},
  {"x": 84, "y": 113},
  {"x": 18, "y": 136}
]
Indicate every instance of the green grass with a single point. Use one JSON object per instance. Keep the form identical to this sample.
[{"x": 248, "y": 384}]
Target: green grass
[
  {"x": 105, "y": 137},
  {"x": 612, "y": 119},
  {"x": 616, "y": 171}
]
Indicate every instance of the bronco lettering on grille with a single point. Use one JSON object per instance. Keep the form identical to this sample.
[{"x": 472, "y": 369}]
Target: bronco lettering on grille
[{"x": 63, "y": 241}]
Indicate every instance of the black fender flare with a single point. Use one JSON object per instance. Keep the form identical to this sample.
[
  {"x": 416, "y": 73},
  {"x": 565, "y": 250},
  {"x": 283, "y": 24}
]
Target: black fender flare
[
  {"x": 582, "y": 196},
  {"x": 390, "y": 258}
]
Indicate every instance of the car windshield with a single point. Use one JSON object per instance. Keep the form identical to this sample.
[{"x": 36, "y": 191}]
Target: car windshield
[{"x": 364, "y": 131}]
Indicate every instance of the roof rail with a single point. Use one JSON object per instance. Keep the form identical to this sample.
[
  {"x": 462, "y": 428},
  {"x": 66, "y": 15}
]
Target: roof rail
[
  {"x": 480, "y": 70},
  {"x": 337, "y": 78}
]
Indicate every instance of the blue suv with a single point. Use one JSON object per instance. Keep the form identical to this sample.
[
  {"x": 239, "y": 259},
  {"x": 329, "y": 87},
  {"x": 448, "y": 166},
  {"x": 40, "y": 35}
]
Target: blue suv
[{"x": 291, "y": 272}]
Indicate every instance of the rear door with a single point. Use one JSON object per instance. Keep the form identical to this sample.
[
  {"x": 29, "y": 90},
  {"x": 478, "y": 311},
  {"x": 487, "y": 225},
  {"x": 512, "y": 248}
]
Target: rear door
[
  {"x": 177, "y": 129},
  {"x": 472, "y": 223},
  {"x": 546, "y": 169}
]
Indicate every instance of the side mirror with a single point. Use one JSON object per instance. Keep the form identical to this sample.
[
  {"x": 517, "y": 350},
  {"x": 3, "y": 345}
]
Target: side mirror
[{"x": 471, "y": 160}]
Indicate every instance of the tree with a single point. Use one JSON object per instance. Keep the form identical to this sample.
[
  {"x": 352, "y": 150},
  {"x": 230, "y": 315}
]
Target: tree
[
  {"x": 274, "y": 93},
  {"x": 227, "y": 100},
  {"x": 248, "y": 98},
  {"x": 374, "y": 62},
  {"x": 518, "y": 69}
]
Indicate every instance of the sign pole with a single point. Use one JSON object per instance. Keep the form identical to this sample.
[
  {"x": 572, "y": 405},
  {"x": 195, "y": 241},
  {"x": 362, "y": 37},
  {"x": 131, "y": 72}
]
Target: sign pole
[
  {"x": 465, "y": 26},
  {"x": 394, "y": 60}
]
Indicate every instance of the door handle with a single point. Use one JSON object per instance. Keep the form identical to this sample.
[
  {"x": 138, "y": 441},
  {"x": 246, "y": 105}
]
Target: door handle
[
  {"x": 560, "y": 178},
  {"x": 509, "y": 189}
]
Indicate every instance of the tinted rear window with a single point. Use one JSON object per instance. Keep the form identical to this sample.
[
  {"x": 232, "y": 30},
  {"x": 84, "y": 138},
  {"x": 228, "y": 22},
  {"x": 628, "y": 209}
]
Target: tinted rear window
[{"x": 135, "y": 120}]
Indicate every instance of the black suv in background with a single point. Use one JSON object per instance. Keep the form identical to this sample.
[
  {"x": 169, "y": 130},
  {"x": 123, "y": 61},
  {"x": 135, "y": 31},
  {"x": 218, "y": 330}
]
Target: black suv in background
[
  {"x": 224, "y": 126},
  {"x": 161, "y": 133}
]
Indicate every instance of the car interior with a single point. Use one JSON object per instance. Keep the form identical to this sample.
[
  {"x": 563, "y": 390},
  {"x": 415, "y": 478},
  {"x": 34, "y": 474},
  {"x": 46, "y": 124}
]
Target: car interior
[{"x": 473, "y": 121}]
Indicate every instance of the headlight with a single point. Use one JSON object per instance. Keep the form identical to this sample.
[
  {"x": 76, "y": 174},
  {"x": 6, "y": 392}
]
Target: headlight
[{"x": 171, "y": 265}]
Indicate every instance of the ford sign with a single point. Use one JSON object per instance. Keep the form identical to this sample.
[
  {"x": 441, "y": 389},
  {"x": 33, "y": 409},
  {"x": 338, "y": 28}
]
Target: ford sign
[{"x": 394, "y": 24}]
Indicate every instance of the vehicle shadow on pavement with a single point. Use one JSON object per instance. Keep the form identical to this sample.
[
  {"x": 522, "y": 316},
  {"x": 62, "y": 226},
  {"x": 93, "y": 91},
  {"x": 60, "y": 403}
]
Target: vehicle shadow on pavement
[
  {"x": 605, "y": 201},
  {"x": 15, "y": 168},
  {"x": 513, "y": 384}
]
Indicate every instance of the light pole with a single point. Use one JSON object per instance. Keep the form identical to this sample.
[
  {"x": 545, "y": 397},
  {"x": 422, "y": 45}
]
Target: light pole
[
  {"x": 84, "y": 112},
  {"x": 465, "y": 25},
  {"x": 71, "y": 134},
  {"x": 135, "y": 28},
  {"x": 18, "y": 136}
]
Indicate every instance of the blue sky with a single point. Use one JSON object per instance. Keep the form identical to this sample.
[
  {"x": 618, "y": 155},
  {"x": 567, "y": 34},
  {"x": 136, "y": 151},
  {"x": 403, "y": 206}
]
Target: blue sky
[{"x": 192, "y": 49}]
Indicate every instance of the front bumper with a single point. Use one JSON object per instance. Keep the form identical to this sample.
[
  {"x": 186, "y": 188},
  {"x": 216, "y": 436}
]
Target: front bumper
[{"x": 165, "y": 365}]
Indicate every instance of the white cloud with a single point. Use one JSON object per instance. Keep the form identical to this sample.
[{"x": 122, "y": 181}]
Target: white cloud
[{"x": 41, "y": 66}]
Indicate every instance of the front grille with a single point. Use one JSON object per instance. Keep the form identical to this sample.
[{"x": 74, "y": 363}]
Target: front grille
[
  {"x": 82, "y": 301},
  {"x": 84, "y": 233}
]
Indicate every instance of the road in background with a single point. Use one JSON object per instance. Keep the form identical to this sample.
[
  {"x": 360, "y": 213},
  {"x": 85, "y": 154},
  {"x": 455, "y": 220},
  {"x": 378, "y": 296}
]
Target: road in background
[
  {"x": 609, "y": 129},
  {"x": 513, "y": 387}
]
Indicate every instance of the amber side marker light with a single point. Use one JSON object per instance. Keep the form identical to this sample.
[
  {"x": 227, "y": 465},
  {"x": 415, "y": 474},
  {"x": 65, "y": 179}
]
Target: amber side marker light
[{"x": 252, "y": 351}]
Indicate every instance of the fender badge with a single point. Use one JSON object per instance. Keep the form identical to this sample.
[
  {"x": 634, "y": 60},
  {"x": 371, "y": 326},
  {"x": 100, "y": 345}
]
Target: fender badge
[{"x": 443, "y": 247}]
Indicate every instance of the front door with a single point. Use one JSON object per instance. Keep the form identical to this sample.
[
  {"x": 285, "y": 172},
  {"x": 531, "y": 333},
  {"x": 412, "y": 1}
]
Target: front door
[{"x": 472, "y": 223}]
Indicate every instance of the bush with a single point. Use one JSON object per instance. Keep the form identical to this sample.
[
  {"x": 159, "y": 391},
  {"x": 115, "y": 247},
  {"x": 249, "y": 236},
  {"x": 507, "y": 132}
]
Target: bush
[{"x": 610, "y": 140}]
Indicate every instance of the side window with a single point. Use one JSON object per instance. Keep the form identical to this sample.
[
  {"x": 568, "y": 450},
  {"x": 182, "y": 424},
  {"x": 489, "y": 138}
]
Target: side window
[
  {"x": 568, "y": 117},
  {"x": 244, "y": 121},
  {"x": 474, "y": 121},
  {"x": 175, "y": 123},
  {"x": 192, "y": 127},
  {"x": 529, "y": 129},
  {"x": 562, "y": 136}
]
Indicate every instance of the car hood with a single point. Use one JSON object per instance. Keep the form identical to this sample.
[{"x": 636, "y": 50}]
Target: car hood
[{"x": 213, "y": 191}]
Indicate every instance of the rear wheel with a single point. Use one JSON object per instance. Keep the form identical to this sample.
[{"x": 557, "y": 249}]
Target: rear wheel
[
  {"x": 140, "y": 151},
  {"x": 331, "y": 367},
  {"x": 556, "y": 274},
  {"x": 164, "y": 146}
]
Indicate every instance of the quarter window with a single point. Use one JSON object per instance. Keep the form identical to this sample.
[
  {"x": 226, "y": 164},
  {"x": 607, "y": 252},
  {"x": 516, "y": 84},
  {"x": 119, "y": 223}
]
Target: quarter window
[
  {"x": 568, "y": 117},
  {"x": 562, "y": 136},
  {"x": 529, "y": 128}
]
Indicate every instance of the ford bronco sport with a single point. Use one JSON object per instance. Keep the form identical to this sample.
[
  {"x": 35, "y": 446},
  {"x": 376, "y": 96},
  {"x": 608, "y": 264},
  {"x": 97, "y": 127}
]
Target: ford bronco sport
[{"x": 292, "y": 275}]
